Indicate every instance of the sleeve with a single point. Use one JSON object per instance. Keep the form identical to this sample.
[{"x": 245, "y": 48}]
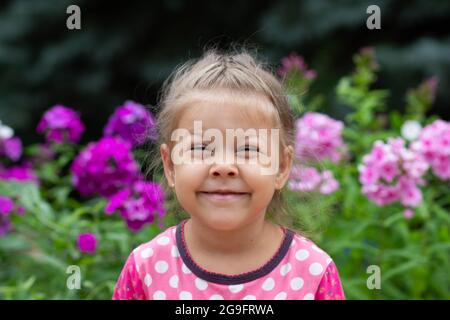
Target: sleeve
[
  {"x": 330, "y": 287},
  {"x": 129, "y": 285}
]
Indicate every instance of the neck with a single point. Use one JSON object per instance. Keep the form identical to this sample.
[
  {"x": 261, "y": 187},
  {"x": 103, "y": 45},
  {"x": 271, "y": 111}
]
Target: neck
[{"x": 233, "y": 242}]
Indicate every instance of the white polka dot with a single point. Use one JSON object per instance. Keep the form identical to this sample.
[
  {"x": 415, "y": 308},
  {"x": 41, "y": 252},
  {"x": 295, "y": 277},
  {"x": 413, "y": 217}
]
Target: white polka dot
[
  {"x": 315, "y": 269},
  {"x": 174, "y": 281},
  {"x": 249, "y": 297},
  {"x": 201, "y": 284},
  {"x": 281, "y": 296},
  {"x": 216, "y": 297},
  {"x": 161, "y": 266},
  {"x": 302, "y": 254},
  {"x": 185, "y": 295},
  {"x": 308, "y": 296},
  {"x": 163, "y": 240},
  {"x": 137, "y": 267},
  {"x": 269, "y": 284},
  {"x": 175, "y": 253},
  {"x": 148, "y": 280},
  {"x": 159, "y": 295},
  {"x": 285, "y": 269},
  {"x": 146, "y": 253},
  {"x": 297, "y": 283},
  {"x": 236, "y": 288},
  {"x": 185, "y": 269}
]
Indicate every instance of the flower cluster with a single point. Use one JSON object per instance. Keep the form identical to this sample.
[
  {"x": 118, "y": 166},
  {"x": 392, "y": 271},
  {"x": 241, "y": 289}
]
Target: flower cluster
[
  {"x": 309, "y": 179},
  {"x": 23, "y": 173},
  {"x": 104, "y": 167},
  {"x": 132, "y": 122},
  {"x": 392, "y": 172},
  {"x": 61, "y": 124},
  {"x": 318, "y": 137},
  {"x": 138, "y": 204},
  {"x": 434, "y": 145},
  {"x": 10, "y": 146},
  {"x": 294, "y": 62}
]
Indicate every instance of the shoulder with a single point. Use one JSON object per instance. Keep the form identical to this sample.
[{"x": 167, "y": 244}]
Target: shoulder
[
  {"x": 160, "y": 247},
  {"x": 307, "y": 253}
]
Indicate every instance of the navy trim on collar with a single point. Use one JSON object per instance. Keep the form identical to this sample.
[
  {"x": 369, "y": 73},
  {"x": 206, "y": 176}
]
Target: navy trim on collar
[{"x": 231, "y": 279}]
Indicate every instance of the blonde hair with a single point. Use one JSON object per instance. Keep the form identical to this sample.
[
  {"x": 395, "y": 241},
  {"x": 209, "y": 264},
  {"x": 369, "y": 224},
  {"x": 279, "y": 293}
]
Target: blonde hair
[{"x": 238, "y": 71}]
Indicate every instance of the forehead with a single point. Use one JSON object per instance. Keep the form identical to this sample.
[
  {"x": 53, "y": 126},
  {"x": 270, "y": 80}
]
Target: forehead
[{"x": 222, "y": 109}]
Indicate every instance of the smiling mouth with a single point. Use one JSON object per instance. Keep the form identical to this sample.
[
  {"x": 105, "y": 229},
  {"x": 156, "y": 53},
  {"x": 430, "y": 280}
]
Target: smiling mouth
[{"x": 224, "y": 196}]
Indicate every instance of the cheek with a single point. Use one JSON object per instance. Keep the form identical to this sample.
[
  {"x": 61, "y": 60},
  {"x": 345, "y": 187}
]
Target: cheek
[
  {"x": 257, "y": 181},
  {"x": 189, "y": 178}
]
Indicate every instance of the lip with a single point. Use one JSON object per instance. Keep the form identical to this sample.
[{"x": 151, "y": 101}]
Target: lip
[{"x": 223, "y": 196}]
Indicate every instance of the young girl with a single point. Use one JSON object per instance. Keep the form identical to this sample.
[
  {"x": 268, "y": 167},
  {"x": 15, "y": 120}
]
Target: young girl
[{"x": 231, "y": 247}]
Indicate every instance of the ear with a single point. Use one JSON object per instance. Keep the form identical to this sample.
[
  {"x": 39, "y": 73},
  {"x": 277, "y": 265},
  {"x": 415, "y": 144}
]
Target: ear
[
  {"x": 286, "y": 161},
  {"x": 167, "y": 163}
]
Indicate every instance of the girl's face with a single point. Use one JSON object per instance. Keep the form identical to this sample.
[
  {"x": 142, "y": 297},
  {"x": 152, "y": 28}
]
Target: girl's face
[{"x": 200, "y": 186}]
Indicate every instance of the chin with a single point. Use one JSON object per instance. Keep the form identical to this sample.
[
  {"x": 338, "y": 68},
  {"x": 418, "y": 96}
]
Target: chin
[{"x": 224, "y": 223}]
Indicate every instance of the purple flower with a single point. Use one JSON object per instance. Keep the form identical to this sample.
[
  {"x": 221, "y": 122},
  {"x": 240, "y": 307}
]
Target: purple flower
[
  {"x": 104, "y": 167},
  {"x": 138, "y": 204},
  {"x": 132, "y": 122},
  {"x": 6, "y": 205},
  {"x": 87, "y": 242},
  {"x": 5, "y": 225},
  {"x": 11, "y": 148},
  {"x": 61, "y": 124},
  {"x": 19, "y": 173}
]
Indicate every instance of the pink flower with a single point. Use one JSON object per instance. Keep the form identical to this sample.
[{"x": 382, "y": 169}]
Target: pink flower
[
  {"x": 309, "y": 179},
  {"x": 434, "y": 145},
  {"x": 87, "y": 242},
  {"x": 392, "y": 172},
  {"x": 318, "y": 137},
  {"x": 408, "y": 213},
  {"x": 294, "y": 62}
]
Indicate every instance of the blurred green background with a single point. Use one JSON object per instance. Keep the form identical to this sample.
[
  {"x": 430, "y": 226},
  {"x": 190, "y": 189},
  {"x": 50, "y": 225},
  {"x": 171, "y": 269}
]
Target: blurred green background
[{"x": 125, "y": 50}]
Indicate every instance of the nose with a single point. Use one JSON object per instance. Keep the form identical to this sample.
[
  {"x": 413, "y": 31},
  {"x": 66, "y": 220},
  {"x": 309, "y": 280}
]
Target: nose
[{"x": 223, "y": 170}]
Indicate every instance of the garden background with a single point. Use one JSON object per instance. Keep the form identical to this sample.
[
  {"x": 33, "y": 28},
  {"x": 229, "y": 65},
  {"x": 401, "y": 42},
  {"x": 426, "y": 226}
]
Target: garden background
[{"x": 375, "y": 84}]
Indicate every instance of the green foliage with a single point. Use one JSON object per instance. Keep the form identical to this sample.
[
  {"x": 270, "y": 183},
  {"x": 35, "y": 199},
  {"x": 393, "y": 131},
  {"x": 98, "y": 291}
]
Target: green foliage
[{"x": 413, "y": 255}]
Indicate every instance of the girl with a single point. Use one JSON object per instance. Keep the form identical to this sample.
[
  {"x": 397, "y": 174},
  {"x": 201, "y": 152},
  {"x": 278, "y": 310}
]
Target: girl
[{"x": 234, "y": 245}]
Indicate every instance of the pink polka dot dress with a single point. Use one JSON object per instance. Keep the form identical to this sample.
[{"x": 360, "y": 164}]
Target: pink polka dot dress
[{"x": 163, "y": 269}]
